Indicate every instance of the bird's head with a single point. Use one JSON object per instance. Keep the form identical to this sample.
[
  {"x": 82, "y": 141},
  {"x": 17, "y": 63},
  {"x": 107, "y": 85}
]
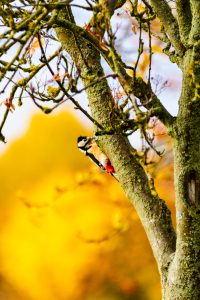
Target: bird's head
[{"x": 84, "y": 142}]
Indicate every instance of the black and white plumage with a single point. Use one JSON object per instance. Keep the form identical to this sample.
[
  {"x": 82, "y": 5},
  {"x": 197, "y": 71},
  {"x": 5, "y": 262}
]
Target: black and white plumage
[{"x": 89, "y": 147}]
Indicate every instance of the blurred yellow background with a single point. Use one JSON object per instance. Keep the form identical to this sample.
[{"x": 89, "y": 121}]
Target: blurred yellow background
[{"x": 67, "y": 231}]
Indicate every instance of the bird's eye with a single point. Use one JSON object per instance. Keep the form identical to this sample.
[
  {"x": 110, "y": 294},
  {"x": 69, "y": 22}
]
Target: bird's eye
[{"x": 81, "y": 139}]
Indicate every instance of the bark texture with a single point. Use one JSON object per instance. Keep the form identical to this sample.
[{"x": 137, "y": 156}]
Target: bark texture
[
  {"x": 184, "y": 271},
  {"x": 178, "y": 257}
]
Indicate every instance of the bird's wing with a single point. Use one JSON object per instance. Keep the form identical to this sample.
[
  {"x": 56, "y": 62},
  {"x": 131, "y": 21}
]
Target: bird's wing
[{"x": 93, "y": 158}]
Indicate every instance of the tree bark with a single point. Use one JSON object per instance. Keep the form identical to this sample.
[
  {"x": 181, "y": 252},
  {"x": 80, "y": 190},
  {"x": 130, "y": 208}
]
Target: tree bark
[
  {"x": 183, "y": 280},
  {"x": 178, "y": 258}
]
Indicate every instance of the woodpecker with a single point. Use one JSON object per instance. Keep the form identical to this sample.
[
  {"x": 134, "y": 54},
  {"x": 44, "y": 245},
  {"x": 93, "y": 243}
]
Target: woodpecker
[{"x": 89, "y": 147}]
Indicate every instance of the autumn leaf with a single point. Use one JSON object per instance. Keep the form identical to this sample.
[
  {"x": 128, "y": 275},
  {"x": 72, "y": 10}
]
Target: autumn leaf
[
  {"x": 33, "y": 46},
  {"x": 8, "y": 103}
]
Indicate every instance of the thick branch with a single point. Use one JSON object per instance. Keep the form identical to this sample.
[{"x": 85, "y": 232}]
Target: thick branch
[
  {"x": 164, "y": 13},
  {"x": 114, "y": 4},
  {"x": 195, "y": 32},
  {"x": 184, "y": 19},
  {"x": 152, "y": 211}
]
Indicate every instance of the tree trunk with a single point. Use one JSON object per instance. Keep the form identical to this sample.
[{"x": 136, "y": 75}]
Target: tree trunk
[{"x": 183, "y": 279}]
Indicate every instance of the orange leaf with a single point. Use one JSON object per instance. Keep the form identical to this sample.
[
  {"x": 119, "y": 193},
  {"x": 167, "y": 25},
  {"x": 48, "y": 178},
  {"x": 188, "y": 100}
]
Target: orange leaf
[
  {"x": 33, "y": 46},
  {"x": 8, "y": 103},
  {"x": 103, "y": 46}
]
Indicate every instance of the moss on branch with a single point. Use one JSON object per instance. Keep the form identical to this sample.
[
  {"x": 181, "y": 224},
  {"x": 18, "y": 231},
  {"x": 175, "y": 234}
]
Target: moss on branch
[
  {"x": 184, "y": 19},
  {"x": 164, "y": 13}
]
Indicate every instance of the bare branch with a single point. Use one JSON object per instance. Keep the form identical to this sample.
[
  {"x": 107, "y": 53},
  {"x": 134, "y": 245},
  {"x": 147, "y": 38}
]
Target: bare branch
[
  {"x": 195, "y": 33},
  {"x": 150, "y": 52},
  {"x": 140, "y": 49},
  {"x": 22, "y": 84},
  {"x": 164, "y": 13}
]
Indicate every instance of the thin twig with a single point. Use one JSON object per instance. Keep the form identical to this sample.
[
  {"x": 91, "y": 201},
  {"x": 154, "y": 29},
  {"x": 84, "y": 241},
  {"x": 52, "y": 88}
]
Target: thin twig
[
  {"x": 77, "y": 105},
  {"x": 148, "y": 6},
  {"x": 140, "y": 49},
  {"x": 150, "y": 52}
]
